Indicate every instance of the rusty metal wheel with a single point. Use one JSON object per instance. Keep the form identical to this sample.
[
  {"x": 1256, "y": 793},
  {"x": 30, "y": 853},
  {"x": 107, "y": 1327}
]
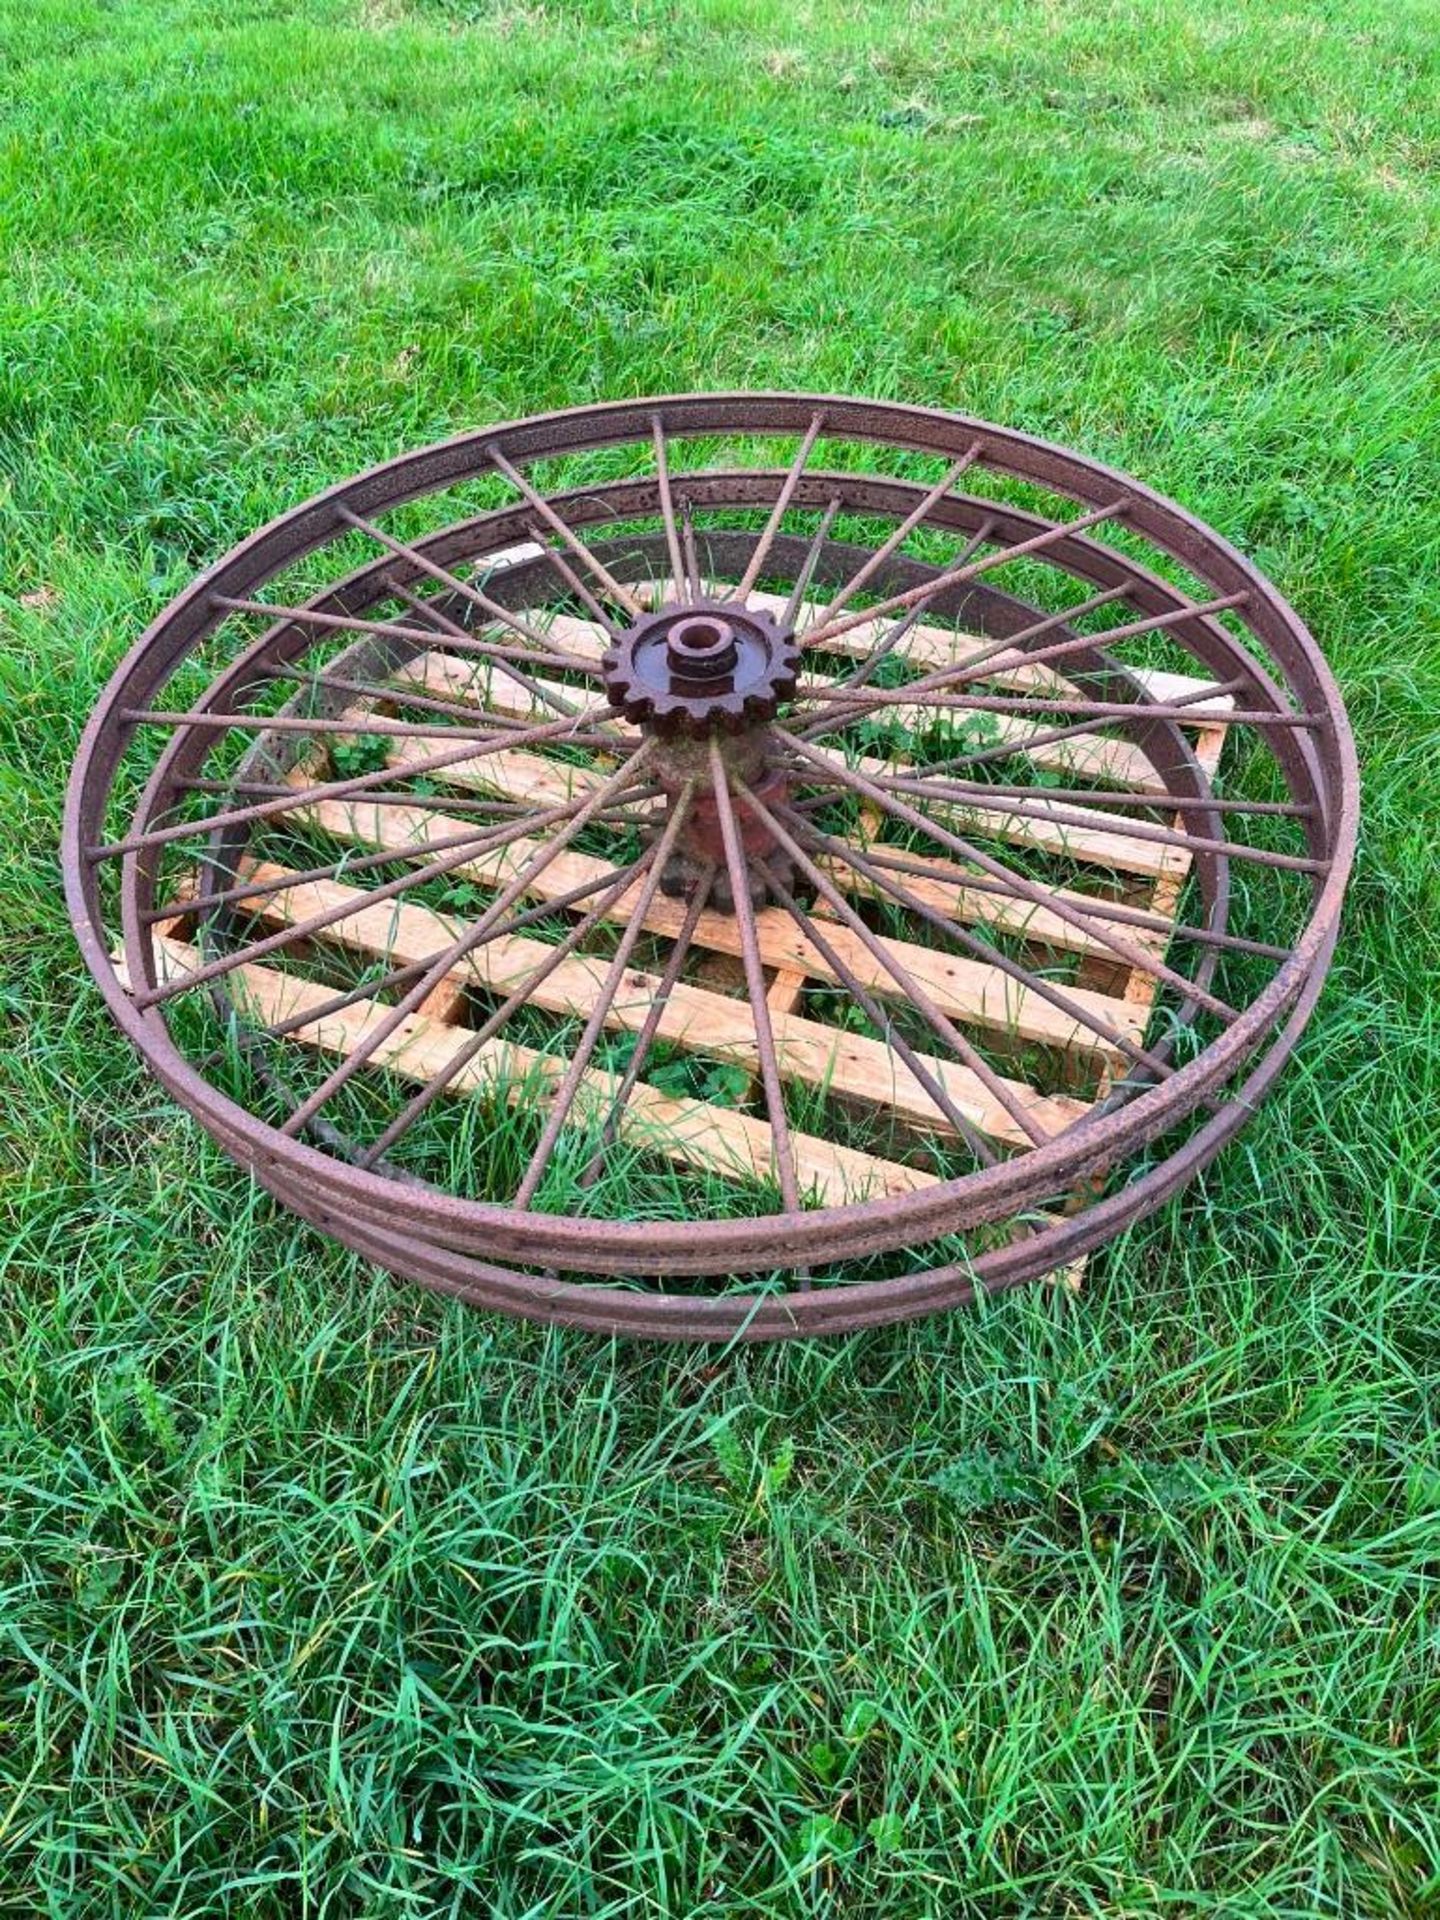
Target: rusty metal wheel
[{"x": 726, "y": 864}]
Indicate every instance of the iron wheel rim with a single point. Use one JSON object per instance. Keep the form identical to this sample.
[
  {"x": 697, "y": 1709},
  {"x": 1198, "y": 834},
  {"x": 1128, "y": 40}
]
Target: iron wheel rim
[{"x": 297, "y": 1171}]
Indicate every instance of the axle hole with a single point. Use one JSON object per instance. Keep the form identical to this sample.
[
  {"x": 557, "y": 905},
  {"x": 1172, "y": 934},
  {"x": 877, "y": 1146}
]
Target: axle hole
[{"x": 699, "y": 636}]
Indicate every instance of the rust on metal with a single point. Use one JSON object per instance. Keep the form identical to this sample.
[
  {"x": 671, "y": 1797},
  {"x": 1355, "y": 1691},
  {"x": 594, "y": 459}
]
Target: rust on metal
[
  {"x": 701, "y": 669},
  {"x": 846, "y": 893}
]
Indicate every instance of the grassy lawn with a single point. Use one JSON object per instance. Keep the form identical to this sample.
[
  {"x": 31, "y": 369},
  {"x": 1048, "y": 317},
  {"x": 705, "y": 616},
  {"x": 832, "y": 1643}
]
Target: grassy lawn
[{"x": 322, "y": 1596}]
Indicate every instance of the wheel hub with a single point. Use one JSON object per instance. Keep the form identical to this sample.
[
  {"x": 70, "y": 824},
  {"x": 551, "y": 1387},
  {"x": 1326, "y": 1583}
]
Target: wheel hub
[
  {"x": 696, "y": 671},
  {"x": 707, "y": 667}
]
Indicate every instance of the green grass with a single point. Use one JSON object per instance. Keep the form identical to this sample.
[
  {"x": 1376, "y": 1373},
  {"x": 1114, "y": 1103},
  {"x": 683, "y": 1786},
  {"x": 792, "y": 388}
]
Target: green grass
[{"x": 321, "y": 1596}]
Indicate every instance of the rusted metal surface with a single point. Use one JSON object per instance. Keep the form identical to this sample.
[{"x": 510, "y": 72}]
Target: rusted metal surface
[
  {"x": 701, "y": 668},
  {"x": 908, "y": 743}
]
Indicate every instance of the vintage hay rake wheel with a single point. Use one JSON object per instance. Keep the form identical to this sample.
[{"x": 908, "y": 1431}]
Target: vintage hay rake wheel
[{"x": 720, "y": 864}]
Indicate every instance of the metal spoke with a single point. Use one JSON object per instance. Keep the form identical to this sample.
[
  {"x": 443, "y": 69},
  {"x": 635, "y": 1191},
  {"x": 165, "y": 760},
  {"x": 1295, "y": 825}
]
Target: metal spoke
[
  {"x": 645, "y": 1038},
  {"x": 667, "y": 505},
  {"x": 401, "y": 694},
  {"x": 815, "y": 635},
  {"x": 397, "y": 630},
  {"x": 467, "y": 590},
  {"x": 907, "y": 526},
  {"x": 777, "y": 512},
  {"x": 808, "y": 564},
  {"x": 332, "y": 790},
  {"x": 975, "y": 665},
  {"x": 903, "y": 897},
  {"x": 782, "y": 1150},
  {"x": 692, "y": 559},
  {"x": 1060, "y": 816},
  {"x": 343, "y": 868},
  {"x": 454, "y": 635},
  {"x": 620, "y": 811},
  {"x": 870, "y": 665},
  {"x": 1130, "y": 798},
  {"x": 1086, "y": 710},
  {"x": 319, "y": 724},
  {"x": 1123, "y": 949},
  {"x": 205, "y": 903},
  {"x": 885, "y": 856},
  {"x": 565, "y": 1097},
  {"x": 1177, "y": 710},
  {"x": 571, "y": 579},
  {"x": 1018, "y": 744},
  {"x": 521, "y": 996},
  {"x": 253, "y": 1039},
  {"x": 943, "y": 676},
  {"x": 474, "y": 936},
  {"x": 566, "y": 533}
]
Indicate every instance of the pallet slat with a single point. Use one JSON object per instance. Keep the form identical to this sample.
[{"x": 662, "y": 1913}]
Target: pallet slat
[
  {"x": 820, "y": 1056},
  {"x": 1088, "y": 835},
  {"x": 927, "y": 646},
  {"x": 966, "y": 990},
  {"x": 692, "y": 1133},
  {"x": 1087, "y": 755}
]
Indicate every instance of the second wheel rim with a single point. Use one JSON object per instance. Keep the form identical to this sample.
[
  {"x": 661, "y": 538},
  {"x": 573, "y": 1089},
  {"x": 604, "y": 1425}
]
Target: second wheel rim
[{"x": 949, "y": 793}]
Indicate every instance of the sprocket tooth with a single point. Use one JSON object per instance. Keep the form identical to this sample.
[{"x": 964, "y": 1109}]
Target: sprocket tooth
[{"x": 711, "y": 667}]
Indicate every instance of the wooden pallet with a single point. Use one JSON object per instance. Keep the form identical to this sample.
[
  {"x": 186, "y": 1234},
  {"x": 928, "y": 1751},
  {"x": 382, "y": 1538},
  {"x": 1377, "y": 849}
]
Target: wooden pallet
[{"x": 704, "y": 1014}]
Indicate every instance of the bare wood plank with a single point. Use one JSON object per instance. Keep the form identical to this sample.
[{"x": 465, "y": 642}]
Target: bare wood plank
[
  {"x": 953, "y": 893},
  {"x": 969, "y": 990},
  {"x": 1209, "y": 747},
  {"x": 783, "y": 994},
  {"x": 513, "y": 774},
  {"x": 936, "y": 646},
  {"x": 1141, "y": 987},
  {"x": 445, "y": 1002},
  {"x": 1086, "y": 756},
  {"x": 1099, "y": 844},
  {"x": 691, "y": 1132},
  {"x": 509, "y": 773},
  {"x": 694, "y": 1133},
  {"x": 852, "y": 1066}
]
